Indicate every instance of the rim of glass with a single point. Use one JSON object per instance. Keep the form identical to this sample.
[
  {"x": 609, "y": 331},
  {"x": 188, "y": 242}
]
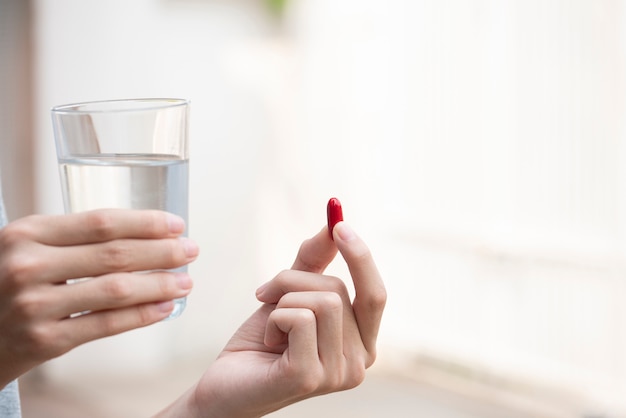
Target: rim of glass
[{"x": 119, "y": 105}]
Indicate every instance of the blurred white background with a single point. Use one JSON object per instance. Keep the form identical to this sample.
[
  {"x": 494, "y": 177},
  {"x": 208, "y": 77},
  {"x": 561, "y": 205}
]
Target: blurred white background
[{"x": 477, "y": 146}]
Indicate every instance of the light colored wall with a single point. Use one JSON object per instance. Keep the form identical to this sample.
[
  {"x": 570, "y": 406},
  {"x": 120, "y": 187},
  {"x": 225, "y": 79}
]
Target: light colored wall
[
  {"x": 16, "y": 133},
  {"x": 477, "y": 146}
]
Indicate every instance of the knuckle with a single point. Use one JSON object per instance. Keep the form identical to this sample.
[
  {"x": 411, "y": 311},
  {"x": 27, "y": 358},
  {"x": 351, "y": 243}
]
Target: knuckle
[
  {"x": 304, "y": 317},
  {"x": 331, "y": 301},
  {"x": 171, "y": 253},
  {"x": 113, "y": 323},
  {"x": 307, "y": 381},
  {"x": 41, "y": 342},
  {"x": 337, "y": 285},
  {"x": 354, "y": 377},
  {"x": 336, "y": 378},
  {"x": 18, "y": 269},
  {"x": 118, "y": 288},
  {"x": 107, "y": 325},
  {"x": 154, "y": 221},
  {"x": 16, "y": 232},
  {"x": 307, "y": 384},
  {"x": 175, "y": 252},
  {"x": 282, "y": 276},
  {"x": 282, "y": 279},
  {"x": 167, "y": 284},
  {"x": 100, "y": 224},
  {"x": 117, "y": 255},
  {"x": 145, "y": 316},
  {"x": 28, "y": 305},
  {"x": 344, "y": 376},
  {"x": 378, "y": 299},
  {"x": 363, "y": 255}
]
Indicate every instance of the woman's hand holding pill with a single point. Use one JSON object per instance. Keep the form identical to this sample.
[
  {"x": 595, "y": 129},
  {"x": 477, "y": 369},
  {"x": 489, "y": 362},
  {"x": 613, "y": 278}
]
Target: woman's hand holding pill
[{"x": 307, "y": 339}]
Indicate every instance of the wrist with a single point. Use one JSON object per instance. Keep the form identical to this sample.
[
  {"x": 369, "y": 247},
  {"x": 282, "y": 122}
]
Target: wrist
[
  {"x": 204, "y": 402},
  {"x": 189, "y": 405}
]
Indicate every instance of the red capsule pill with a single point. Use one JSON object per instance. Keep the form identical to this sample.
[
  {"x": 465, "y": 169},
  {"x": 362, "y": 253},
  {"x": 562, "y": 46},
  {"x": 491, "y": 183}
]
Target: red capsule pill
[{"x": 334, "y": 214}]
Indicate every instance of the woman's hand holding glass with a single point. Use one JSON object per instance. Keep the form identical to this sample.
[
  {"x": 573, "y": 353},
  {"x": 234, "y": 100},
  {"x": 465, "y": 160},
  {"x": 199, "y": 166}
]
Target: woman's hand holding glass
[{"x": 39, "y": 254}]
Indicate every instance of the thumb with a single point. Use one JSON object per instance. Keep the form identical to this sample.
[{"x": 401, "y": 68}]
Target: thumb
[{"x": 315, "y": 253}]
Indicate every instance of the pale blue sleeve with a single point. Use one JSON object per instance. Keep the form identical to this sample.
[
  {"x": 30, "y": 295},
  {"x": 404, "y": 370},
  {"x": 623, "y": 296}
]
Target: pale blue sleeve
[
  {"x": 10, "y": 401},
  {"x": 3, "y": 214},
  {"x": 9, "y": 396}
]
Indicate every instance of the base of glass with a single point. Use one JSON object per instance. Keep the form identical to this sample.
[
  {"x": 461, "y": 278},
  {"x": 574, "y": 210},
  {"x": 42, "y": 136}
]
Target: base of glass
[{"x": 179, "y": 307}]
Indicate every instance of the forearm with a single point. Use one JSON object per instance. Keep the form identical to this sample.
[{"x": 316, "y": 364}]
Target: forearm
[{"x": 187, "y": 406}]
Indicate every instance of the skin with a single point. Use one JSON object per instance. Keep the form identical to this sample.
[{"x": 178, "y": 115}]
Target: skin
[
  {"x": 307, "y": 339},
  {"x": 38, "y": 254}
]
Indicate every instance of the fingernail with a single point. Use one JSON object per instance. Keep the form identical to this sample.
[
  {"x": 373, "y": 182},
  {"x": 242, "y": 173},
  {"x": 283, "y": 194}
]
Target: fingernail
[
  {"x": 345, "y": 232},
  {"x": 176, "y": 224},
  {"x": 184, "y": 281},
  {"x": 165, "y": 307},
  {"x": 190, "y": 247}
]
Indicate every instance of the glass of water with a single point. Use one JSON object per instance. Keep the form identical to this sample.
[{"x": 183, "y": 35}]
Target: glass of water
[{"x": 130, "y": 154}]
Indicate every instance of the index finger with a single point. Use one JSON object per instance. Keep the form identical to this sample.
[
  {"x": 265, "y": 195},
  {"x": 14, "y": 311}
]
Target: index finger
[
  {"x": 104, "y": 225},
  {"x": 370, "y": 293}
]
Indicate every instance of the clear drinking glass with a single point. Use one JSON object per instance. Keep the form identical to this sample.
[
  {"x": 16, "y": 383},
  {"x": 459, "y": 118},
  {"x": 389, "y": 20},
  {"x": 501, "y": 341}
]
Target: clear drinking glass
[{"x": 130, "y": 154}]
